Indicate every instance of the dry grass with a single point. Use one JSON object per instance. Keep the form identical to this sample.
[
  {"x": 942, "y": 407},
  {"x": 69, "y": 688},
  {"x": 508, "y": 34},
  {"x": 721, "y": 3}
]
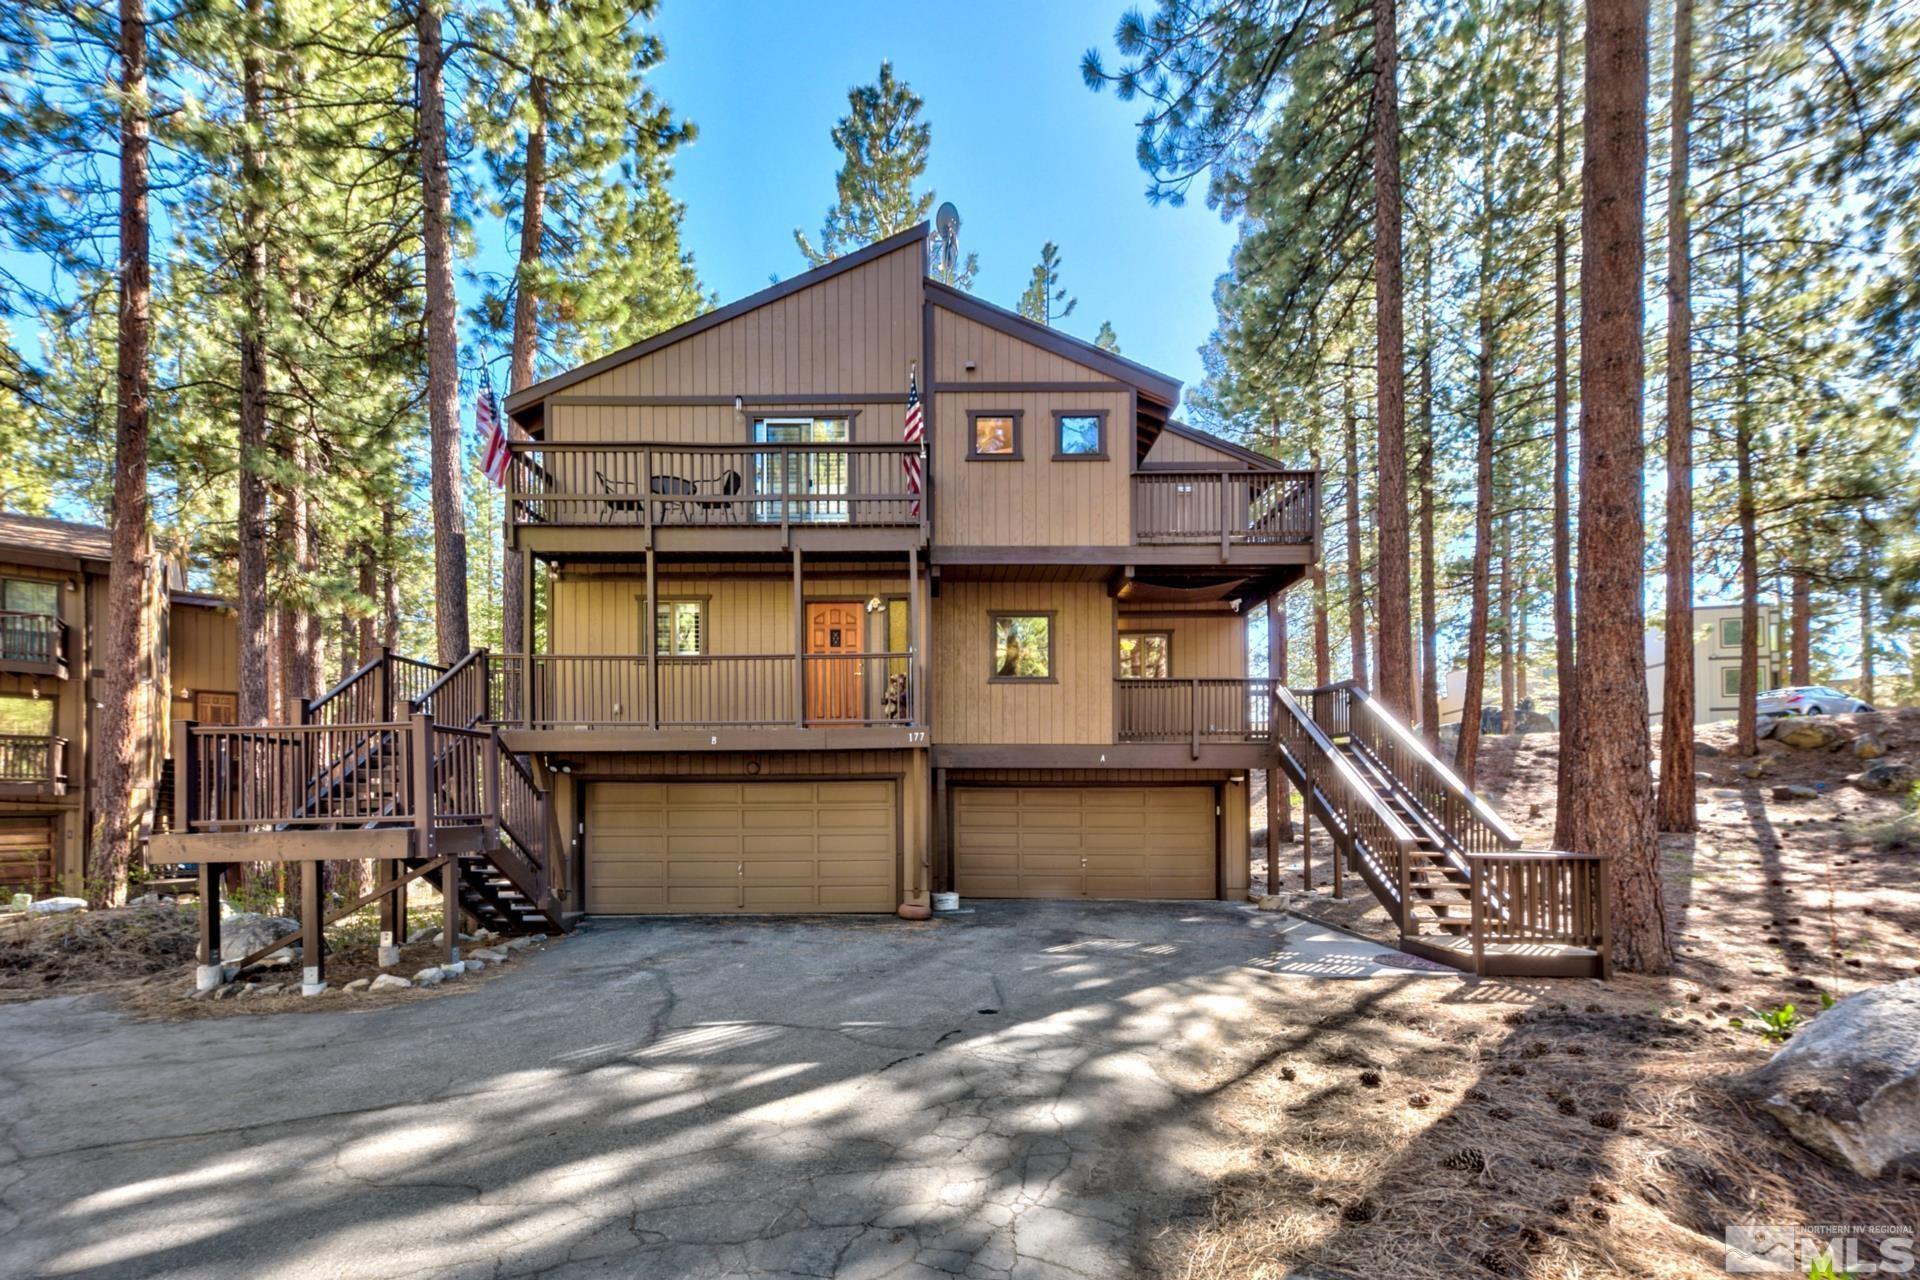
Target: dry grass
[
  {"x": 1562, "y": 1131},
  {"x": 84, "y": 951}
]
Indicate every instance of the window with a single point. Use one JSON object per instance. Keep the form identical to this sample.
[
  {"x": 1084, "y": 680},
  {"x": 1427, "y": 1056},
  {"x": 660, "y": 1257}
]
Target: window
[
  {"x": 993, "y": 436},
  {"x": 1022, "y": 646},
  {"x": 1146, "y": 655},
  {"x": 216, "y": 708},
  {"x": 811, "y": 478},
  {"x": 1079, "y": 435},
  {"x": 1730, "y": 681},
  {"x": 680, "y": 628},
  {"x": 26, "y": 717},
  {"x": 24, "y": 595},
  {"x": 1729, "y": 633}
]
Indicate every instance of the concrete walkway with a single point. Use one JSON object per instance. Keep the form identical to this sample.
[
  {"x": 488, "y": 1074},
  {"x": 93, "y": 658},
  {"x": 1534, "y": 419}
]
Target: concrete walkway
[{"x": 1018, "y": 1092}]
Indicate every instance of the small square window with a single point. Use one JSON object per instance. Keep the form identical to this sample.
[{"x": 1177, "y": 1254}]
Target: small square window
[
  {"x": 1022, "y": 646},
  {"x": 1730, "y": 682},
  {"x": 216, "y": 708},
  {"x": 994, "y": 435},
  {"x": 1080, "y": 435},
  {"x": 1146, "y": 655},
  {"x": 1730, "y": 632}
]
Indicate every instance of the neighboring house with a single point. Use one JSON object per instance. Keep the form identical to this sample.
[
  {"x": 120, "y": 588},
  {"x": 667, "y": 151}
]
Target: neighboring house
[
  {"x": 53, "y": 595},
  {"x": 1716, "y": 667},
  {"x": 1030, "y": 681}
]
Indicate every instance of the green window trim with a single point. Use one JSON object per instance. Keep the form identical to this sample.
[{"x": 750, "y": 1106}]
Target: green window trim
[{"x": 1730, "y": 682}]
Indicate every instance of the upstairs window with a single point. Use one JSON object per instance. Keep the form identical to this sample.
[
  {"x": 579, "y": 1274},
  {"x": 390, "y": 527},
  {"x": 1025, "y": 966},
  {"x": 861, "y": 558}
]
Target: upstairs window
[
  {"x": 27, "y": 595},
  {"x": 993, "y": 436},
  {"x": 1022, "y": 646},
  {"x": 1730, "y": 633},
  {"x": 680, "y": 628},
  {"x": 1146, "y": 655},
  {"x": 25, "y": 717},
  {"x": 1079, "y": 435}
]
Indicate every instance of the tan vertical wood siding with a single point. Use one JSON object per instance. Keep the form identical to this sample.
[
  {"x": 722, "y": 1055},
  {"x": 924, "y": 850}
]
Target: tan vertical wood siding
[
  {"x": 1204, "y": 644},
  {"x": 1076, "y": 706},
  {"x": 204, "y": 658},
  {"x": 1034, "y": 501},
  {"x": 1174, "y": 450}
]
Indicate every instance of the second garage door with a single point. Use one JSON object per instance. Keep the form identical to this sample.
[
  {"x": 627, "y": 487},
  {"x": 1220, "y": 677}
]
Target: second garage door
[
  {"x": 741, "y": 846},
  {"x": 1084, "y": 842}
]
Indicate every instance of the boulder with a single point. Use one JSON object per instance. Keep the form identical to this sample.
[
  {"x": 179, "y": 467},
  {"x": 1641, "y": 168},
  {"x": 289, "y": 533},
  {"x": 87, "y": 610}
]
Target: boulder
[
  {"x": 1794, "y": 791},
  {"x": 246, "y": 932},
  {"x": 1273, "y": 902},
  {"x": 421, "y": 935},
  {"x": 389, "y": 982},
  {"x": 1868, "y": 747},
  {"x": 1810, "y": 734},
  {"x": 1848, "y": 1084},
  {"x": 519, "y": 944},
  {"x": 360, "y": 984},
  {"x": 429, "y": 977},
  {"x": 1706, "y": 750},
  {"x": 1759, "y": 767},
  {"x": 1888, "y": 775},
  {"x": 448, "y": 972},
  {"x": 475, "y": 965},
  {"x": 492, "y": 955}
]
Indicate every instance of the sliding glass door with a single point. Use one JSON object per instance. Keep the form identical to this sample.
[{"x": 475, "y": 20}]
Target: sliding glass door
[{"x": 811, "y": 478}]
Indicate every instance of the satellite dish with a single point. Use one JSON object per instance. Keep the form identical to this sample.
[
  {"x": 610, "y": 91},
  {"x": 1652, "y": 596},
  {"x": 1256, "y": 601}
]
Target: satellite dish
[{"x": 946, "y": 224}]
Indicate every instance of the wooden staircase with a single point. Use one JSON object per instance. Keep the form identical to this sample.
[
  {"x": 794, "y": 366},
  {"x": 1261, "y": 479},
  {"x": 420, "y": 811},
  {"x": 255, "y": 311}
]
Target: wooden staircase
[
  {"x": 399, "y": 764},
  {"x": 1448, "y": 869}
]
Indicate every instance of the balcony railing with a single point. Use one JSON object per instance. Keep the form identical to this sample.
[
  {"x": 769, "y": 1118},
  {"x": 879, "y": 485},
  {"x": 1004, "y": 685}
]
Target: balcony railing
[
  {"x": 1194, "y": 710},
  {"x": 718, "y": 691},
  {"x": 1232, "y": 508},
  {"x": 715, "y": 486},
  {"x": 35, "y": 640},
  {"x": 33, "y": 764}
]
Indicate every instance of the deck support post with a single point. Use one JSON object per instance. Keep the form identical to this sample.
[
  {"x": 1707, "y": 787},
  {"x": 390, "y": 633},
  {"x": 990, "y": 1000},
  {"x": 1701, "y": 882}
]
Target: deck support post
[
  {"x": 1279, "y": 792},
  {"x": 799, "y": 646},
  {"x": 651, "y": 638},
  {"x": 916, "y": 675},
  {"x": 1306, "y": 828},
  {"x": 393, "y": 913},
  {"x": 525, "y": 691},
  {"x": 209, "y": 974},
  {"x": 450, "y": 908},
  {"x": 313, "y": 931},
  {"x": 942, "y": 877}
]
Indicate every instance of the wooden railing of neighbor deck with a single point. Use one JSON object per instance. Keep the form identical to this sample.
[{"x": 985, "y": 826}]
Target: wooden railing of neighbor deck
[{"x": 1231, "y": 508}]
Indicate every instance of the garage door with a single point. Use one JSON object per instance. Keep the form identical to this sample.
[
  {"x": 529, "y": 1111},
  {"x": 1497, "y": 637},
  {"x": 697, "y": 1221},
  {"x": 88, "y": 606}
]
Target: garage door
[
  {"x": 741, "y": 846},
  {"x": 1083, "y": 842}
]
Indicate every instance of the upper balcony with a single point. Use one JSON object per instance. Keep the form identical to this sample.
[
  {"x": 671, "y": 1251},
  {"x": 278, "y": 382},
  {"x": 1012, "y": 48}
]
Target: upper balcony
[
  {"x": 33, "y": 643},
  {"x": 32, "y": 766},
  {"x": 1250, "y": 515},
  {"x": 584, "y": 497}
]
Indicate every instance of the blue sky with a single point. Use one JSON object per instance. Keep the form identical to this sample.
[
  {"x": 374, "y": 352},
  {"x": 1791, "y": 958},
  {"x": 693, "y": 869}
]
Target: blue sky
[{"x": 1024, "y": 149}]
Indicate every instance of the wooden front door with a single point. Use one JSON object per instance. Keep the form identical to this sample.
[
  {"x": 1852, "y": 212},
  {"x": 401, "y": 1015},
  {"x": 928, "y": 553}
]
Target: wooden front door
[{"x": 833, "y": 662}]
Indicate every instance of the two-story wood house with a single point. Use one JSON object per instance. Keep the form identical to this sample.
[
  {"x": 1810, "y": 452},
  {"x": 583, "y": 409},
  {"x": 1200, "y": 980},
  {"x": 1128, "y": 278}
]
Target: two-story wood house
[
  {"x": 787, "y": 660},
  {"x": 53, "y": 618}
]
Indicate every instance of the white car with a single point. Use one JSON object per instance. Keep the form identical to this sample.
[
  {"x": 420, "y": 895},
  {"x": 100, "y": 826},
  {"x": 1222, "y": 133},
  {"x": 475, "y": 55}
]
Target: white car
[{"x": 1808, "y": 700}]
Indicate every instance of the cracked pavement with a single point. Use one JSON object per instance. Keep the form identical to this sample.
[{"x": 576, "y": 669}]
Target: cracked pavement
[{"x": 1020, "y": 1092}]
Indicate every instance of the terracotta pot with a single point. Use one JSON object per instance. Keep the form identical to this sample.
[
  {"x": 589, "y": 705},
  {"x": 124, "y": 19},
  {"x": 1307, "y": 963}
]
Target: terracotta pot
[{"x": 915, "y": 911}]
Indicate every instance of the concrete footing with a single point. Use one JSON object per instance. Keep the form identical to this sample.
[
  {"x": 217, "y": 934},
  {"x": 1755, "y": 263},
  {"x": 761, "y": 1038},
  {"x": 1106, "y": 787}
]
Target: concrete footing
[
  {"x": 208, "y": 976},
  {"x": 312, "y": 988},
  {"x": 389, "y": 956}
]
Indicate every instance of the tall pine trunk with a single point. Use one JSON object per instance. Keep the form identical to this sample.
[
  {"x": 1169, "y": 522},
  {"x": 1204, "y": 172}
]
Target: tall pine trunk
[
  {"x": 1394, "y": 673},
  {"x": 1466, "y": 751},
  {"x": 1356, "y": 568},
  {"x": 1867, "y": 574},
  {"x": 250, "y": 566},
  {"x": 1674, "y": 810},
  {"x": 1800, "y": 624},
  {"x": 1610, "y": 800},
  {"x": 1507, "y": 638},
  {"x": 1746, "y": 510},
  {"x": 526, "y": 340},
  {"x": 1430, "y": 673},
  {"x": 443, "y": 375},
  {"x": 1564, "y": 659},
  {"x": 121, "y": 715}
]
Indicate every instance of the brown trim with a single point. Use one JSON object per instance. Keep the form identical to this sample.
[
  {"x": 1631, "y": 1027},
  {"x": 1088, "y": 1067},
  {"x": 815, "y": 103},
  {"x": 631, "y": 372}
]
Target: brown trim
[
  {"x": 1096, "y": 756},
  {"x": 993, "y": 619},
  {"x": 1099, "y": 454},
  {"x": 1152, "y": 381},
  {"x": 540, "y": 391},
  {"x": 1033, "y": 388},
  {"x": 726, "y": 402},
  {"x": 1198, "y": 556},
  {"x": 1244, "y": 454},
  {"x": 973, "y": 435}
]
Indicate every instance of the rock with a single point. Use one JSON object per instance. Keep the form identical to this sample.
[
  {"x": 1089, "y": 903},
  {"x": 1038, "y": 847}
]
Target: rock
[
  {"x": 1794, "y": 791},
  {"x": 1848, "y": 1084},
  {"x": 1868, "y": 747},
  {"x": 1888, "y": 775},
  {"x": 389, "y": 982},
  {"x": 246, "y": 932},
  {"x": 475, "y": 965},
  {"x": 1273, "y": 902},
  {"x": 360, "y": 984},
  {"x": 228, "y": 991},
  {"x": 428, "y": 977},
  {"x": 1759, "y": 768},
  {"x": 448, "y": 972},
  {"x": 421, "y": 935},
  {"x": 1810, "y": 734},
  {"x": 55, "y": 906},
  {"x": 491, "y": 954},
  {"x": 519, "y": 944},
  {"x": 1765, "y": 726},
  {"x": 537, "y": 938},
  {"x": 1706, "y": 750}
]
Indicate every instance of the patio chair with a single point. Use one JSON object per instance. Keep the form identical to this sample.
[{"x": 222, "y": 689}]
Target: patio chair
[{"x": 630, "y": 506}]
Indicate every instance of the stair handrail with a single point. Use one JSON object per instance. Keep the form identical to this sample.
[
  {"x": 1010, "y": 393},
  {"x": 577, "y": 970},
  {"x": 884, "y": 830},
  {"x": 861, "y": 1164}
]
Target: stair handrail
[
  {"x": 1355, "y": 803},
  {"x": 1503, "y": 836},
  {"x": 450, "y": 679},
  {"x": 311, "y": 715}
]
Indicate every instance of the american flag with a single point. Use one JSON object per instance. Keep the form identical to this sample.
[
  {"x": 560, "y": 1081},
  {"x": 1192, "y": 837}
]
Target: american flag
[
  {"x": 486, "y": 417},
  {"x": 914, "y": 432}
]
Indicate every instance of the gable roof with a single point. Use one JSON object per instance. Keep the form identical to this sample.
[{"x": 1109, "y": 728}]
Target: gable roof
[
  {"x": 539, "y": 391},
  {"x": 1259, "y": 461},
  {"x": 55, "y": 537},
  {"x": 1150, "y": 382}
]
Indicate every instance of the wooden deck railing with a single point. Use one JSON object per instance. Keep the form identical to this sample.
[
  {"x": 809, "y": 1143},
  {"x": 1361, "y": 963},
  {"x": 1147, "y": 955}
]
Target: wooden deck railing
[
  {"x": 379, "y": 691},
  {"x": 1195, "y": 710},
  {"x": 33, "y": 764},
  {"x": 664, "y": 484},
  {"x": 459, "y": 696},
  {"x": 715, "y": 691},
  {"x": 1232, "y": 508},
  {"x": 32, "y": 639},
  {"x": 1538, "y": 898}
]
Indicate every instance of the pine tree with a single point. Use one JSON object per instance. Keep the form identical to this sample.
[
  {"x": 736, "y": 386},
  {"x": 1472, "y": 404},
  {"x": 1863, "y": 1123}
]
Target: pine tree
[
  {"x": 1106, "y": 339},
  {"x": 883, "y": 144},
  {"x": 1045, "y": 300}
]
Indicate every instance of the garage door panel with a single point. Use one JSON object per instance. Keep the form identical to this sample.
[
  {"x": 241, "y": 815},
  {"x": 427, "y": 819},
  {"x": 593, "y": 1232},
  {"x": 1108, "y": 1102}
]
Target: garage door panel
[
  {"x": 727, "y": 847},
  {"x": 1084, "y": 842}
]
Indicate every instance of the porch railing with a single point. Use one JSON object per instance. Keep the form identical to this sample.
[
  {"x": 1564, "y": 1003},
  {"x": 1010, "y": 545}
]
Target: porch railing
[
  {"x": 715, "y": 691},
  {"x": 652, "y": 485},
  {"x": 1195, "y": 710},
  {"x": 379, "y": 691},
  {"x": 1542, "y": 898},
  {"x": 1232, "y": 508},
  {"x": 35, "y": 639},
  {"x": 35, "y": 763}
]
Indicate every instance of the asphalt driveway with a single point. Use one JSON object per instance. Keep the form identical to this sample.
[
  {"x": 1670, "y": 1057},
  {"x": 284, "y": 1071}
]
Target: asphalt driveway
[{"x": 1018, "y": 1092}]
